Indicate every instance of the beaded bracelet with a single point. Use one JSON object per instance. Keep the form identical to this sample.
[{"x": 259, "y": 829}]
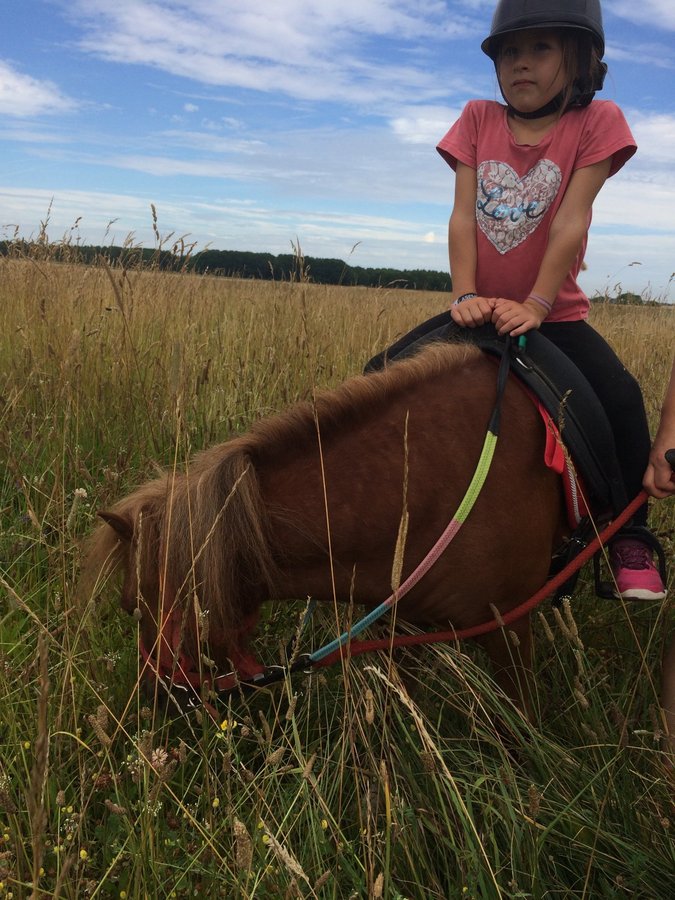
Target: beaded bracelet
[
  {"x": 464, "y": 297},
  {"x": 548, "y": 306}
]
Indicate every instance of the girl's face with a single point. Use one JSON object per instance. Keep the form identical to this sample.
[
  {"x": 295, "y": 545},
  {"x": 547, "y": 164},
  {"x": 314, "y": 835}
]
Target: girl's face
[{"x": 530, "y": 68}]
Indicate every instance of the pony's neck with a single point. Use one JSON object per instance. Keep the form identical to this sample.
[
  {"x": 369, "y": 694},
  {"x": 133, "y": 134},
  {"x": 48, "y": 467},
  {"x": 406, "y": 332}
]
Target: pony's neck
[{"x": 340, "y": 502}]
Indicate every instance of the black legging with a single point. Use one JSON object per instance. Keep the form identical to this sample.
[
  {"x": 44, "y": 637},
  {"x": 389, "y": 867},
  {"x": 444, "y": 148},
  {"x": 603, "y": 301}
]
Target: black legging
[{"x": 618, "y": 392}]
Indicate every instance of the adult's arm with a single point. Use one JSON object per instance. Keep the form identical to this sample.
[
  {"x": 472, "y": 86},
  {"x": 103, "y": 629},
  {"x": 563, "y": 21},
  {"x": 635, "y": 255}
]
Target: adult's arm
[{"x": 659, "y": 479}]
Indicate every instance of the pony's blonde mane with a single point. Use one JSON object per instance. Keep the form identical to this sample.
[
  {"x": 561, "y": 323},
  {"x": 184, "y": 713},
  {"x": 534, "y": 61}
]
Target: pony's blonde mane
[{"x": 212, "y": 523}]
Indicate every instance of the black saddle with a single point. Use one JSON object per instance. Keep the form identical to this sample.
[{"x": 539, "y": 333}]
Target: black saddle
[{"x": 560, "y": 386}]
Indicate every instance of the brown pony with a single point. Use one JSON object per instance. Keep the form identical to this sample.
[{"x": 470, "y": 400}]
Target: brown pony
[{"x": 311, "y": 503}]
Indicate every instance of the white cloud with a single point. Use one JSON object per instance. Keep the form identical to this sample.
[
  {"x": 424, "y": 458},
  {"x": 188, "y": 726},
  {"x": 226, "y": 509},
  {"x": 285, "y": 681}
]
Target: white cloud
[
  {"x": 36, "y": 135},
  {"x": 168, "y": 166},
  {"x": 28, "y": 207},
  {"x": 658, "y": 55},
  {"x": 23, "y": 96},
  {"x": 655, "y": 13},
  {"x": 307, "y": 49},
  {"x": 635, "y": 203},
  {"x": 423, "y": 124},
  {"x": 611, "y": 264},
  {"x": 655, "y": 136},
  {"x": 227, "y": 223}
]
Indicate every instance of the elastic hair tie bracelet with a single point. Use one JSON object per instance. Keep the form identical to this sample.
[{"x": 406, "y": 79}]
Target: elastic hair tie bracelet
[
  {"x": 541, "y": 301},
  {"x": 464, "y": 297}
]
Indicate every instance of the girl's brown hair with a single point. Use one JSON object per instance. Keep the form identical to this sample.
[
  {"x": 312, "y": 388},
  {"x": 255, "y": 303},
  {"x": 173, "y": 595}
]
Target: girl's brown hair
[{"x": 585, "y": 70}]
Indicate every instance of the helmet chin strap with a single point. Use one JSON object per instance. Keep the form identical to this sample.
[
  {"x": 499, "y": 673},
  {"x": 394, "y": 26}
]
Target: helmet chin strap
[{"x": 548, "y": 109}]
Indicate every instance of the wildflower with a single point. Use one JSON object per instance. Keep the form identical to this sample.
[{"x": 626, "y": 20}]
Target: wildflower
[
  {"x": 215, "y": 803},
  {"x": 26, "y": 745},
  {"x": 111, "y": 660},
  {"x": 83, "y": 854},
  {"x": 158, "y": 759},
  {"x": 324, "y": 824},
  {"x": 265, "y": 838},
  {"x": 79, "y": 495},
  {"x": 228, "y": 725}
]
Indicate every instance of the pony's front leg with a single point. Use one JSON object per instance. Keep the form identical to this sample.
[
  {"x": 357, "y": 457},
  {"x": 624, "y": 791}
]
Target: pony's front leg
[{"x": 510, "y": 650}]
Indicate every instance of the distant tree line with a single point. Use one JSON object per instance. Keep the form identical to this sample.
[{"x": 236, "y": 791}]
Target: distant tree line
[
  {"x": 264, "y": 266},
  {"x": 293, "y": 267},
  {"x": 235, "y": 264}
]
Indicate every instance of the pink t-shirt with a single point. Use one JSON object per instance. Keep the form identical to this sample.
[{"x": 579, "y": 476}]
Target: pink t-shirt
[{"x": 521, "y": 186}]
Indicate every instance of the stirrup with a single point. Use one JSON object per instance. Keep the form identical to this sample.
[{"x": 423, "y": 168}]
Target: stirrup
[{"x": 572, "y": 547}]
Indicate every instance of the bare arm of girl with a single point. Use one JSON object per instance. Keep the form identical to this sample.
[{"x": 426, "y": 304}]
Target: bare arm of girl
[
  {"x": 659, "y": 481},
  {"x": 565, "y": 237},
  {"x": 463, "y": 255}
]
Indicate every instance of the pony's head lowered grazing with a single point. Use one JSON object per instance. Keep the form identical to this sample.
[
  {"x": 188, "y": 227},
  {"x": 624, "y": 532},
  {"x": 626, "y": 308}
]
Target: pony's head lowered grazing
[{"x": 193, "y": 550}]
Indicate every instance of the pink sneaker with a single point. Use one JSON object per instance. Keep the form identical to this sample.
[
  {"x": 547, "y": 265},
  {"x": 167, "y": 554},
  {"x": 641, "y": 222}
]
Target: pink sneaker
[{"x": 636, "y": 576}]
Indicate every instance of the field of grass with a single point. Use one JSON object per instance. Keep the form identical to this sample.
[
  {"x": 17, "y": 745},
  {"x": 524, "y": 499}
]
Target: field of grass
[{"x": 338, "y": 785}]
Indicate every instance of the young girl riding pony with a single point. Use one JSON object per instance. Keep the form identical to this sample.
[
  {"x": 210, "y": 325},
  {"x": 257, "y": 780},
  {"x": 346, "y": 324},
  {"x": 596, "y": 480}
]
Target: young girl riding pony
[{"x": 527, "y": 173}]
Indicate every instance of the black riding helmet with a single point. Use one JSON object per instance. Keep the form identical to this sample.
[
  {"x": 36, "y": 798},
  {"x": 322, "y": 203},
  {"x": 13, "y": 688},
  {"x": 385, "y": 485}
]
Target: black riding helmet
[
  {"x": 581, "y": 15},
  {"x": 519, "y": 15}
]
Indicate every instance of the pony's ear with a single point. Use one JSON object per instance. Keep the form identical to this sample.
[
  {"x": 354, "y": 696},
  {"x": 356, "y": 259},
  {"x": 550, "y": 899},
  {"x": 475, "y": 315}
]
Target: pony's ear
[{"x": 123, "y": 525}]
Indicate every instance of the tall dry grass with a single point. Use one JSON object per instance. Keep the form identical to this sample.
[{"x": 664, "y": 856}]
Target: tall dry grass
[{"x": 345, "y": 784}]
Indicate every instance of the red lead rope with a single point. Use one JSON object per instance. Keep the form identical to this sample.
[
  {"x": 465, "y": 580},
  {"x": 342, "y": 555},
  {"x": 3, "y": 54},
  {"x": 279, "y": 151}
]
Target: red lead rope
[{"x": 354, "y": 648}]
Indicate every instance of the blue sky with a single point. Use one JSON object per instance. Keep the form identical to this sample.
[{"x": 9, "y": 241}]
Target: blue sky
[{"x": 252, "y": 125}]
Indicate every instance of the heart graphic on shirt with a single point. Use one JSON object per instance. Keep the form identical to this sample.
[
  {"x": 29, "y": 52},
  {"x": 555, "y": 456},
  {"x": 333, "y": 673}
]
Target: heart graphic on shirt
[{"x": 509, "y": 208}]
